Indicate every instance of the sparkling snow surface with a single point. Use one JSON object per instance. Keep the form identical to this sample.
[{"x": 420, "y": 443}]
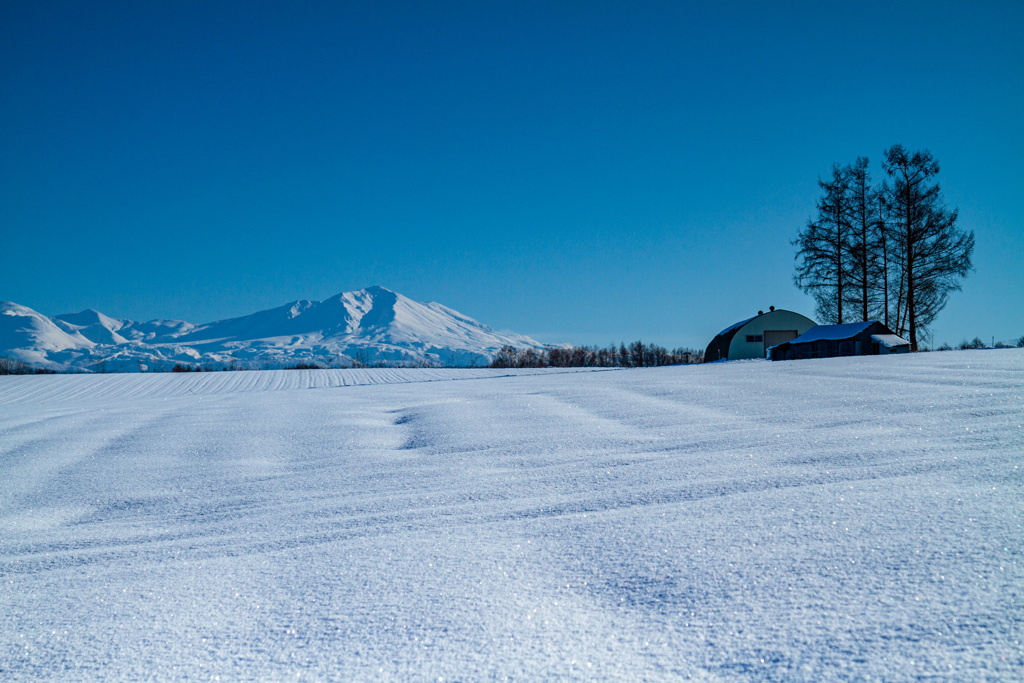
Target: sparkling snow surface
[{"x": 854, "y": 518}]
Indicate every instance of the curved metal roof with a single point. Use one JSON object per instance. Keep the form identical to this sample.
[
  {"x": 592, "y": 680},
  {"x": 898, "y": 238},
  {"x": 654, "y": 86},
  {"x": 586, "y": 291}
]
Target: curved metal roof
[
  {"x": 732, "y": 328},
  {"x": 718, "y": 349}
]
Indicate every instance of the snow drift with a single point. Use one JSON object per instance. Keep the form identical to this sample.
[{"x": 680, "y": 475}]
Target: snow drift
[{"x": 839, "y": 519}]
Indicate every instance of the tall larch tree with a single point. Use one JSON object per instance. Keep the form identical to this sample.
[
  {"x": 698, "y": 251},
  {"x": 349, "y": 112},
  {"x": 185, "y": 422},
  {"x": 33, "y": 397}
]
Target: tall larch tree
[
  {"x": 935, "y": 253},
  {"x": 823, "y": 246},
  {"x": 864, "y": 261}
]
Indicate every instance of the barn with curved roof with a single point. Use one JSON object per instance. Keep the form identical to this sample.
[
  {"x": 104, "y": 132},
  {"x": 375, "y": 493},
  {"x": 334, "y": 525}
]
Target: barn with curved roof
[{"x": 751, "y": 338}]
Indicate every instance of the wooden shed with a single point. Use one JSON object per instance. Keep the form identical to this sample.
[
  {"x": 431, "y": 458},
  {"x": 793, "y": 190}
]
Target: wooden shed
[{"x": 868, "y": 338}]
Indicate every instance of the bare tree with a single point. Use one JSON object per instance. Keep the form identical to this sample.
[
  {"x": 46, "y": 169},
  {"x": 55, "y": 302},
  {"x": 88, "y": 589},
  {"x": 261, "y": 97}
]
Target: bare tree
[
  {"x": 885, "y": 262},
  {"x": 865, "y": 261},
  {"x": 822, "y": 248},
  {"x": 935, "y": 254}
]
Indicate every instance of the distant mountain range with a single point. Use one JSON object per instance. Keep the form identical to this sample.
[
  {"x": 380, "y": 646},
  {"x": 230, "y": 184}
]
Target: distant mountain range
[{"x": 366, "y": 327}]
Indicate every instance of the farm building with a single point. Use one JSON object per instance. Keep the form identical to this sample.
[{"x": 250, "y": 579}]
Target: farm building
[
  {"x": 751, "y": 338},
  {"x": 868, "y": 338}
]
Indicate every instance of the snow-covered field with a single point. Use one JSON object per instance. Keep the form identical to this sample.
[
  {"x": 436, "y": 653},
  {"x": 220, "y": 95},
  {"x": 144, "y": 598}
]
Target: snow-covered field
[{"x": 807, "y": 520}]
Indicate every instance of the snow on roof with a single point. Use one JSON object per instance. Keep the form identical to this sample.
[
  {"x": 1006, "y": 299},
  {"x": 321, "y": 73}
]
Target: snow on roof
[
  {"x": 736, "y": 325},
  {"x": 890, "y": 340},
  {"x": 845, "y": 331}
]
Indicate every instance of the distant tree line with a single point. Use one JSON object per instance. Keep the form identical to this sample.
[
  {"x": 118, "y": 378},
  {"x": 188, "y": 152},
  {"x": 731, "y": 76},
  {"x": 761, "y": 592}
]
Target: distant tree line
[
  {"x": 978, "y": 343},
  {"x": 9, "y": 366},
  {"x": 635, "y": 355},
  {"x": 889, "y": 252}
]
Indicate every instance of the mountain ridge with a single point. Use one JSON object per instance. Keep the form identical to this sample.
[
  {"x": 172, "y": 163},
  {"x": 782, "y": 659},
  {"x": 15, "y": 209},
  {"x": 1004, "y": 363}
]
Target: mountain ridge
[{"x": 374, "y": 325}]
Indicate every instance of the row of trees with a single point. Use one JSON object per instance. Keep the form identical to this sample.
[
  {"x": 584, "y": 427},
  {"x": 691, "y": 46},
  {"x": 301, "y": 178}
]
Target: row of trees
[
  {"x": 889, "y": 252},
  {"x": 635, "y": 355},
  {"x": 9, "y": 366}
]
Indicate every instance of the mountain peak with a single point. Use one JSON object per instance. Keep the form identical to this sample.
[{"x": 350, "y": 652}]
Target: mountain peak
[{"x": 369, "y": 325}]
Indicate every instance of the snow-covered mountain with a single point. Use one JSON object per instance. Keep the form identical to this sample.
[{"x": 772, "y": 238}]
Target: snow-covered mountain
[{"x": 369, "y": 326}]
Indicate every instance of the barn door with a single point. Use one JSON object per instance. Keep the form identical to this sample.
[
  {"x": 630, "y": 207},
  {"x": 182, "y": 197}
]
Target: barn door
[{"x": 774, "y": 337}]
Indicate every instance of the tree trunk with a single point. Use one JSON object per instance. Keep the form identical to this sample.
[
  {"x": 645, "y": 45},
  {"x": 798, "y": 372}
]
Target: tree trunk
[
  {"x": 885, "y": 278},
  {"x": 911, "y": 317},
  {"x": 839, "y": 267},
  {"x": 864, "y": 256}
]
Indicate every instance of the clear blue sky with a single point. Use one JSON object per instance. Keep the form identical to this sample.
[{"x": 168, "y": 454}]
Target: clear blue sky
[{"x": 585, "y": 172}]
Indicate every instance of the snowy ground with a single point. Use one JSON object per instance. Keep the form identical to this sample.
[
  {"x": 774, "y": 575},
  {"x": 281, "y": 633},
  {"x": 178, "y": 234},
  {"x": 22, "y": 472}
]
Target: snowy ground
[{"x": 808, "y": 520}]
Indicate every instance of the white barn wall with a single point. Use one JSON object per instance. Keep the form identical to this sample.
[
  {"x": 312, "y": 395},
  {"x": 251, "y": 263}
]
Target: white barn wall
[{"x": 780, "y": 319}]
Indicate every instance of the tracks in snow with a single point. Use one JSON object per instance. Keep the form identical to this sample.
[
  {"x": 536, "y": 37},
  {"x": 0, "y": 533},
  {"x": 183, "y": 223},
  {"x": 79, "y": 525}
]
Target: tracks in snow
[{"x": 43, "y": 389}]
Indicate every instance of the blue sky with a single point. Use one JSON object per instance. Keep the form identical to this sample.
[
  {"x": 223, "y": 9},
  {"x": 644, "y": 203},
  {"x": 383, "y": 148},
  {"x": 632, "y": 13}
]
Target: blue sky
[{"x": 584, "y": 172}]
